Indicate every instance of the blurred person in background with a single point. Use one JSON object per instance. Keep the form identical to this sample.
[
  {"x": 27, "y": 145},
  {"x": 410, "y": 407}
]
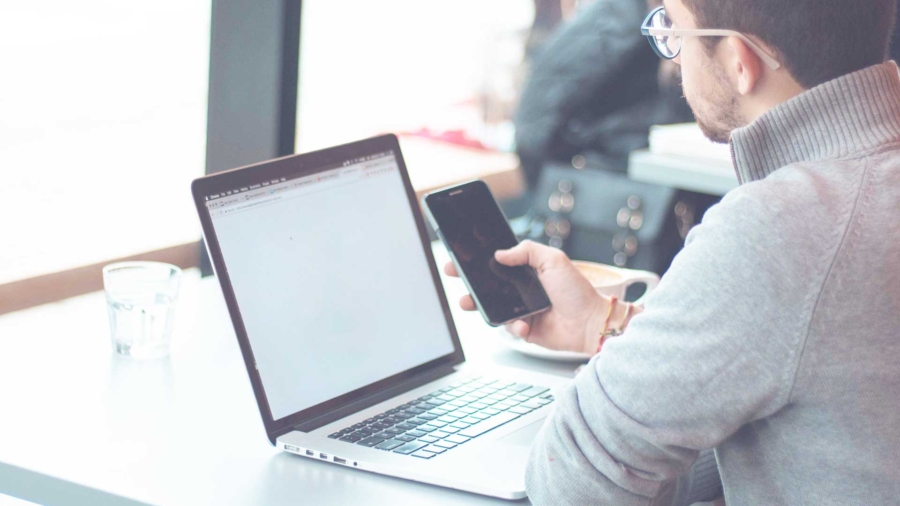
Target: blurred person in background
[{"x": 594, "y": 89}]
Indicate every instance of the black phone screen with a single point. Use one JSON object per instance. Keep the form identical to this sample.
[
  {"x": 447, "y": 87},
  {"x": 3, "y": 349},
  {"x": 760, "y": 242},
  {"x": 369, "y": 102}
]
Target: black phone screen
[{"x": 473, "y": 228}]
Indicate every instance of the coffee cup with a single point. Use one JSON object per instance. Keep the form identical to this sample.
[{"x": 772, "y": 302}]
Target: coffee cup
[{"x": 609, "y": 280}]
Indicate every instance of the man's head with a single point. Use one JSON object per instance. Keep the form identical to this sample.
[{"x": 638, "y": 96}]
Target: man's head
[{"x": 726, "y": 83}]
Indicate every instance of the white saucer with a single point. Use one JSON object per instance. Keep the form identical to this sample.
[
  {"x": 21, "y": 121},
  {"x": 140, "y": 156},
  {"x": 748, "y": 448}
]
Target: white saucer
[{"x": 536, "y": 351}]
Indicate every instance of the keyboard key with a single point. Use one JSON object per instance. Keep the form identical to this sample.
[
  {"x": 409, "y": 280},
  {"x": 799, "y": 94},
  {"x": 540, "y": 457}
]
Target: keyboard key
[
  {"x": 456, "y": 403},
  {"x": 445, "y": 398},
  {"x": 507, "y": 403},
  {"x": 423, "y": 454},
  {"x": 501, "y": 407},
  {"x": 436, "y": 424},
  {"x": 520, "y": 387},
  {"x": 457, "y": 414},
  {"x": 379, "y": 426},
  {"x": 405, "y": 437},
  {"x": 448, "y": 418},
  {"x": 456, "y": 438},
  {"x": 433, "y": 403},
  {"x": 416, "y": 433},
  {"x": 488, "y": 401},
  {"x": 445, "y": 444},
  {"x": 469, "y": 420},
  {"x": 507, "y": 392},
  {"x": 434, "y": 449},
  {"x": 495, "y": 398},
  {"x": 426, "y": 416},
  {"x": 438, "y": 411},
  {"x": 460, "y": 425},
  {"x": 440, "y": 434},
  {"x": 543, "y": 402},
  {"x": 489, "y": 424},
  {"x": 454, "y": 393},
  {"x": 534, "y": 391},
  {"x": 424, "y": 398},
  {"x": 410, "y": 447},
  {"x": 425, "y": 428},
  {"x": 369, "y": 421},
  {"x": 371, "y": 441},
  {"x": 520, "y": 410},
  {"x": 547, "y": 396},
  {"x": 390, "y": 444},
  {"x": 415, "y": 411},
  {"x": 414, "y": 421},
  {"x": 478, "y": 405},
  {"x": 395, "y": 431},
  {"x": 467, "y": 411},
  {"x": 519, "y": 398},
  {"x": 490, "y": 411},
  {"x": 352, "y": 438},
  {"x": 480, "y": 416},
  {"x": 532, "y": 404},
  {"x": 428, "y": 439},
  {"x": 336, "y": 435},
  {"x": 449, "y": 429},
  {"x": 468, "y": 399},
  {"x": 384, "y": 435}
]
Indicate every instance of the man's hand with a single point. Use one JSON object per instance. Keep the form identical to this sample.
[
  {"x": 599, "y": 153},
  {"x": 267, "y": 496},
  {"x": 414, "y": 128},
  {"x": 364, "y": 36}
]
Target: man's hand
[{"x": 576, "y": 318}]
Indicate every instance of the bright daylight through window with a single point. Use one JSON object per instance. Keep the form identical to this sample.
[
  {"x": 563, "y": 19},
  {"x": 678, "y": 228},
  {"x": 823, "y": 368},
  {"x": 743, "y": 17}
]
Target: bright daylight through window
[
  {"x": 102, "y": 128},
  {"x": 450, "y": 70}
]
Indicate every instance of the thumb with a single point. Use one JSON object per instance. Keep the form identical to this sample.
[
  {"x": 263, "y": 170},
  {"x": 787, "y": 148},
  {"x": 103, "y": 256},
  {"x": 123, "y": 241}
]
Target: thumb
[{"x": 525, "y": 253}]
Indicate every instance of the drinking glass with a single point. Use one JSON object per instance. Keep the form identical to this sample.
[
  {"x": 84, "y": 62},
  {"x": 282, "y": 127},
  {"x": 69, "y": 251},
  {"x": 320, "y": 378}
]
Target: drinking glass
[{"x": 140, "y": 298}]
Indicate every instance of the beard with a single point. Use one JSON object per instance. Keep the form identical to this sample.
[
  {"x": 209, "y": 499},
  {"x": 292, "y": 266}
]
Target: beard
[{"x": 716, "y": 108}]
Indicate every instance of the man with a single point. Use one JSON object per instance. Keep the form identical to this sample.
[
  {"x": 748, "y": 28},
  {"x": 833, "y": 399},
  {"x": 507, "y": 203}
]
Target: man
[{"x": 775, "y": 336}]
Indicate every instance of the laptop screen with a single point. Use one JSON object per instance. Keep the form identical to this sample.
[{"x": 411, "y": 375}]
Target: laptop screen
[{"x": 330, "y": 278}]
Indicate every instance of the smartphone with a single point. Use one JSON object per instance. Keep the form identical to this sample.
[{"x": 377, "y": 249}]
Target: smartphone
[{"x": 473, "y": 227}]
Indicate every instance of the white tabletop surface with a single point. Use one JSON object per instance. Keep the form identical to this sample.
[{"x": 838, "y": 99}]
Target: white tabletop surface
[
  {"x": 714, "y": 177},
  {"x": 80, "y": 425}
]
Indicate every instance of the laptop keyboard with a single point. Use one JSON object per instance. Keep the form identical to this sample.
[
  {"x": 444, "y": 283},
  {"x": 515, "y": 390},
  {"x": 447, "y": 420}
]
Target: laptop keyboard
[{"x": 447, "y": 418}]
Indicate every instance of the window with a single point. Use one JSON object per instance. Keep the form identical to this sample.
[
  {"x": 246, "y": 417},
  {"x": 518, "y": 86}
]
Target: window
[
  {"x": 102, "y": 128},
  {"x": 449, "y": 70}
]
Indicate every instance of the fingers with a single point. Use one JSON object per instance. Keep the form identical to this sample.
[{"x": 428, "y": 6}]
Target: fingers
[
  {"x": 450, "y": 270},
  {"x": 467, "y": 303},
  {"x": 519, "y": 328},
  {"x": 529, "y": 253}
]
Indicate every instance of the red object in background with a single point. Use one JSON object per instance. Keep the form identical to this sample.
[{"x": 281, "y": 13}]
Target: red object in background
[{"x": 455, "y": 137}]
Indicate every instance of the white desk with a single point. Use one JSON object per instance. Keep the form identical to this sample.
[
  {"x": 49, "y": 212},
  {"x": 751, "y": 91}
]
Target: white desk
[
  {"x": 79, "y": 425},
  {"x": 700, "y": 175}
]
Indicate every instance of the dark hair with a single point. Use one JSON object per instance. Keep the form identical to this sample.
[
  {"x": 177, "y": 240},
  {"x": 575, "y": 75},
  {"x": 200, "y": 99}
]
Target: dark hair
[{"x": 816, "y": 40}]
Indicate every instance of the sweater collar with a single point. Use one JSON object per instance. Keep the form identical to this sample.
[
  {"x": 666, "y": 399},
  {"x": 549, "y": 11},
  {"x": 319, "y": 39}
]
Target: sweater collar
[{"x": 850, "y": 114}]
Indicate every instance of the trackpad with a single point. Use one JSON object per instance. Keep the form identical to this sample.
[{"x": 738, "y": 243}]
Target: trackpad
[{"x": 525, "y": 435}]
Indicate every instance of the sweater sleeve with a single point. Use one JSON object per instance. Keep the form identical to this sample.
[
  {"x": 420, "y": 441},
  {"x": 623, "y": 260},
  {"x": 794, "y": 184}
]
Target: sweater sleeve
[{"x": 715, "y": 348}]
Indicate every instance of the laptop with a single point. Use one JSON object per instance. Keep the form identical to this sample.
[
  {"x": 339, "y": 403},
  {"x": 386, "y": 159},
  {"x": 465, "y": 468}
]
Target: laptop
[{"x": 327, "y": 270}]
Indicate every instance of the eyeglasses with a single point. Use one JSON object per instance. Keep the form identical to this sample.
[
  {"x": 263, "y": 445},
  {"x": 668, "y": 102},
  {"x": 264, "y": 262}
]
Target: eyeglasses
[{"x": 666, "y": 41}]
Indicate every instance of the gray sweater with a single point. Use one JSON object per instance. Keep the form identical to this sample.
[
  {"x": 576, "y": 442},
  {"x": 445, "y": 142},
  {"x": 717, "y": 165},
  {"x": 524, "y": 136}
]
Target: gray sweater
[{"x": 775, "y": 336}]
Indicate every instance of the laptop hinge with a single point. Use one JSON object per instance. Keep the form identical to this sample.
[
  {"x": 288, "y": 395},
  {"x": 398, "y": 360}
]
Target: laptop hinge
[{"x": 361, "y": 404}]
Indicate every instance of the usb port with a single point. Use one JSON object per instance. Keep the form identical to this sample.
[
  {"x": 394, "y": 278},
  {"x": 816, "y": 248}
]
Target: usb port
[
  {"x": 291, "y": 448},
  {"x": 323, "y": 456},
  {"x": 310, "y": 453},
  {"x": 340, "y": 460}
]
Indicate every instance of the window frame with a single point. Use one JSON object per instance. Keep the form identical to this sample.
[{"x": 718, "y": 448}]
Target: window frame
[{"x": 251, "y": 116}]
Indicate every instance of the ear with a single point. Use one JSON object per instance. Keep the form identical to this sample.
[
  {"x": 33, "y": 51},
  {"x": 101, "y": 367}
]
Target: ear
[{"x": 745, "y": 65}]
